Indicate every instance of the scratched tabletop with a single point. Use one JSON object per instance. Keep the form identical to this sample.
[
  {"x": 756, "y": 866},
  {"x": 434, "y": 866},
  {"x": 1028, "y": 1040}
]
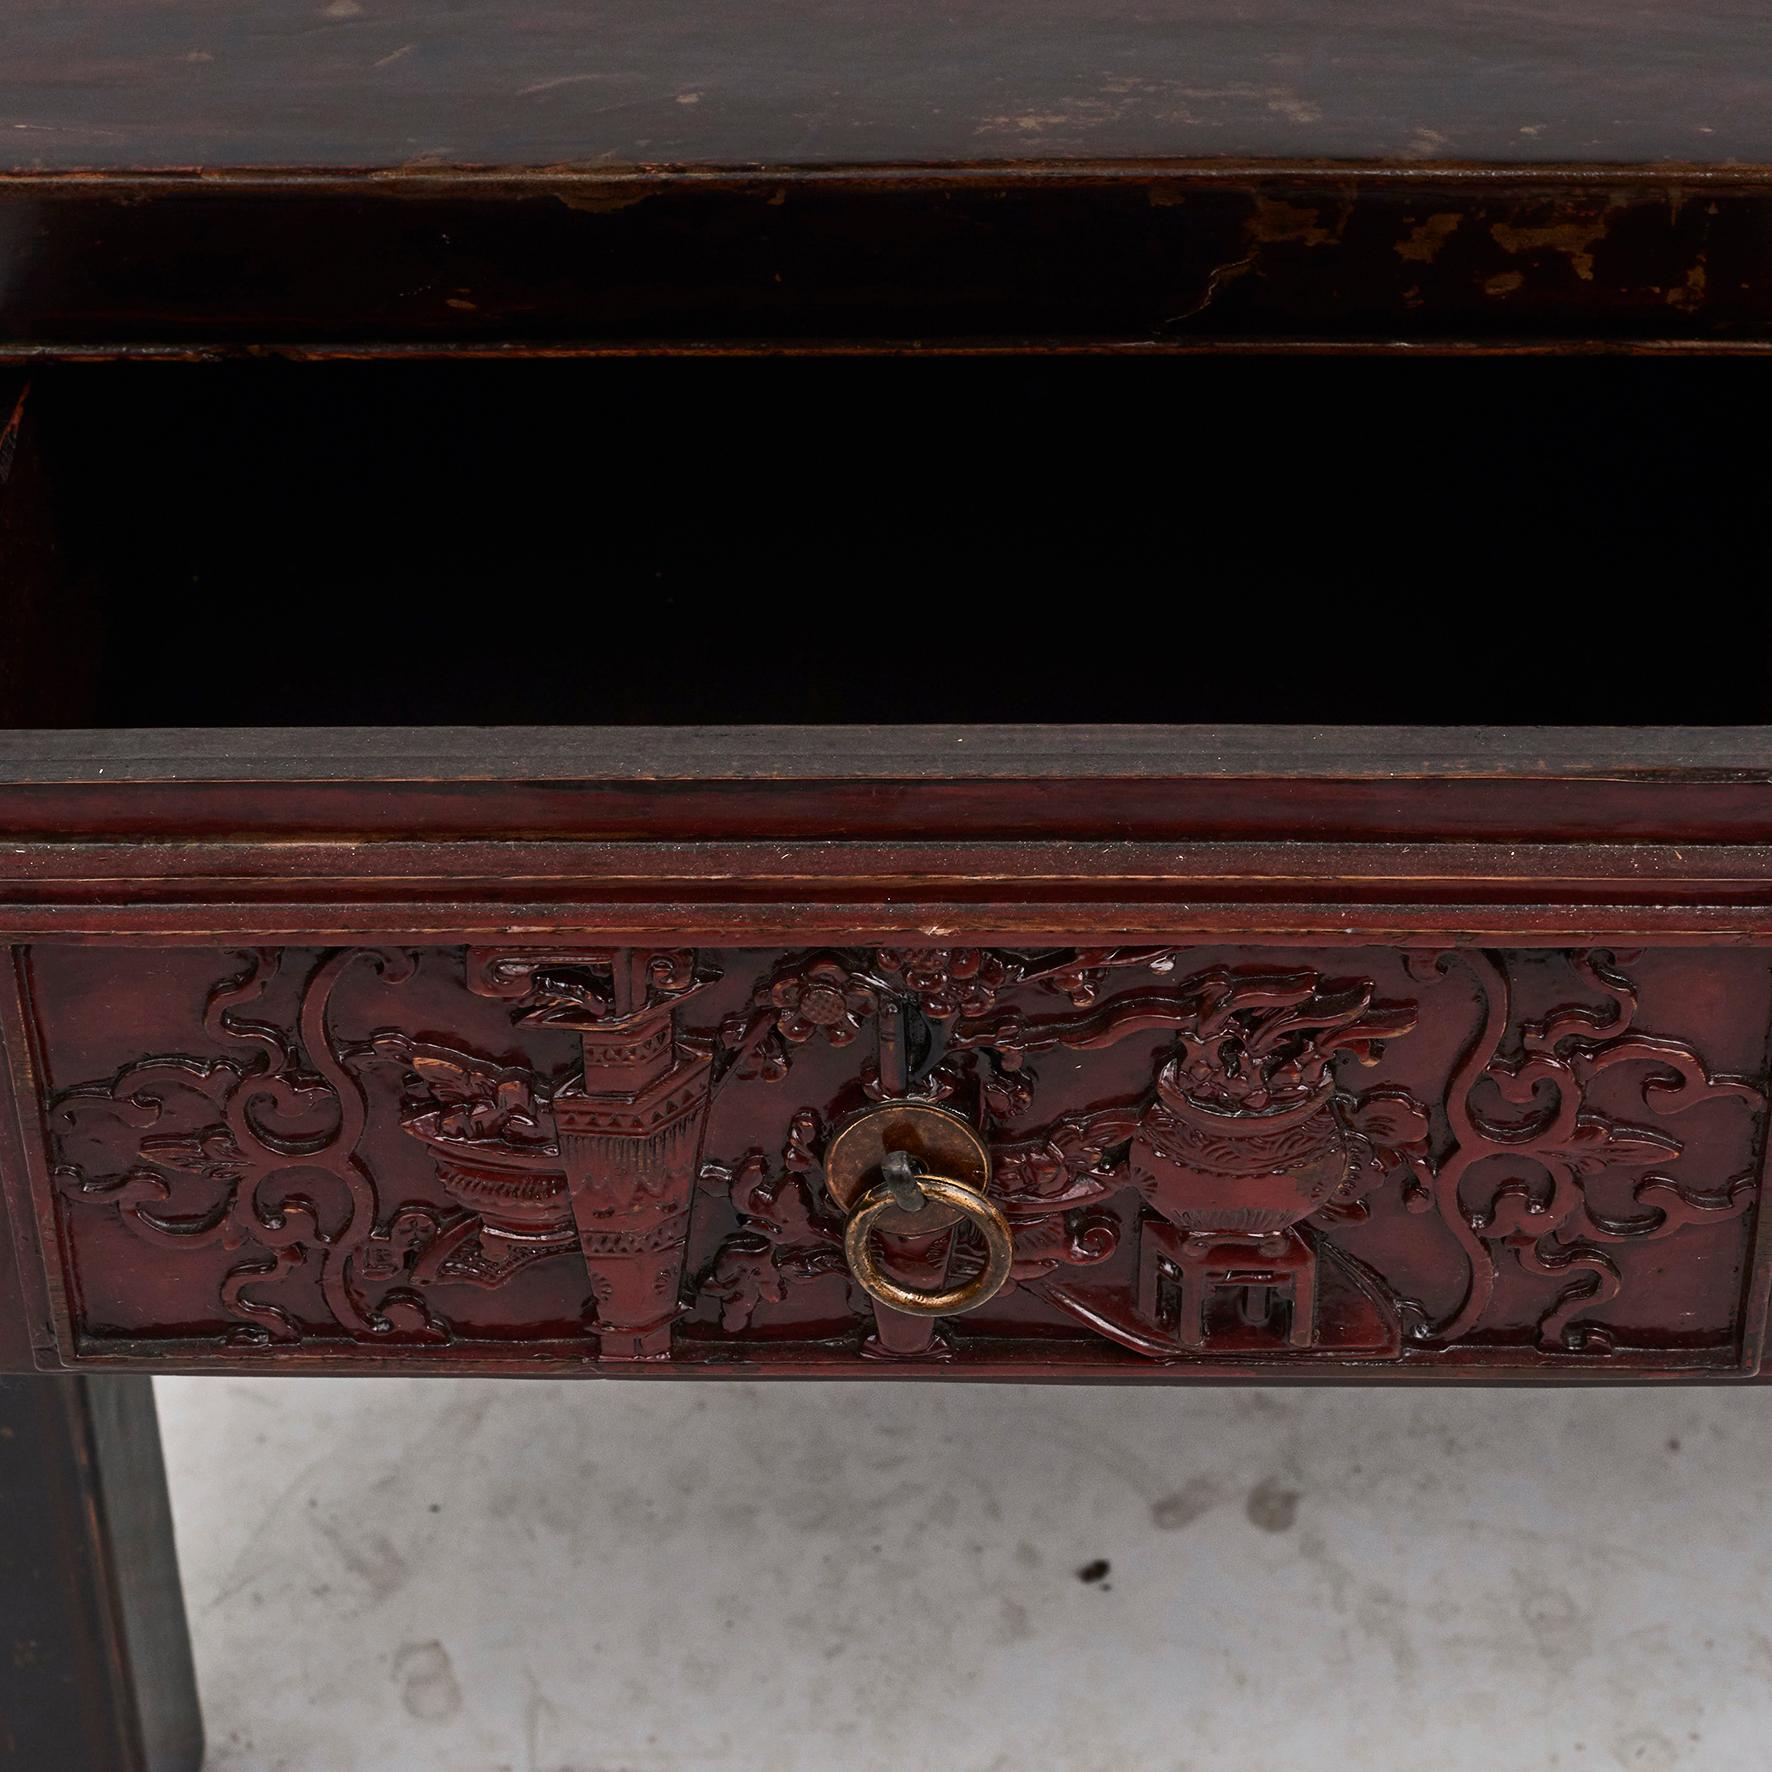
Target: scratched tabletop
[{"x": 164, "y": 85}]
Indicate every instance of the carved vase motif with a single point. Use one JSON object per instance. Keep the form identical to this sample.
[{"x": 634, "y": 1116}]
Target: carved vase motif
[{"x": 607, "y": 1159}]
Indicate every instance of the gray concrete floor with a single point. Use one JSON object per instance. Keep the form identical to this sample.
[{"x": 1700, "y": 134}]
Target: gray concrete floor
[{"x": 413, "y": 1576}]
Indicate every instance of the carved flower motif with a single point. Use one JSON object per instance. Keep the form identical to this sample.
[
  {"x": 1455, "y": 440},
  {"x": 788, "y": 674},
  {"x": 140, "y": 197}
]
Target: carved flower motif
[
  {"x": 948, "y": 981},
  {"x": 1386, "y": 1132},
  {"x": 826, "y": 998}
]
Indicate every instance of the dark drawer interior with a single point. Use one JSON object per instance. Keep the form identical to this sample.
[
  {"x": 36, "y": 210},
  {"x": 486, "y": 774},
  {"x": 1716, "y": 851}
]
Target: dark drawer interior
[{"x": 1300, "y": 540}]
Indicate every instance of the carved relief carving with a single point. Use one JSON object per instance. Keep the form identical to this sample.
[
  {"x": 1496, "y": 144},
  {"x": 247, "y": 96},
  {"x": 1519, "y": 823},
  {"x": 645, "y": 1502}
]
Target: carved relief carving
[
  {"x": 1179, "y": 1145},
  {"x": 604, "y": 1160},
  {"x": 791, "y": 1232},
  {"x": 225, "y": 1151},
  {"x": 1520, "y": 1103},
  {"x": 1244, "y": 1137}
]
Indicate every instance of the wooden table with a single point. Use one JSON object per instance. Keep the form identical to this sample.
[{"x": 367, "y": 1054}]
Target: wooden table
[{"x": 340, "y": 1036}]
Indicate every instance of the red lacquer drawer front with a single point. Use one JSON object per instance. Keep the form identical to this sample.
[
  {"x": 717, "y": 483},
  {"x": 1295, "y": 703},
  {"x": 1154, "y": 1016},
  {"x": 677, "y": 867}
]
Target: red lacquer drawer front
[{"x": 1209, "y": 1159}]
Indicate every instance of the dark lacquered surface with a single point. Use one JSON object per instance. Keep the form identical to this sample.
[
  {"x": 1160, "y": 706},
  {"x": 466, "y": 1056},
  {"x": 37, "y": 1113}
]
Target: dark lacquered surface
[
  {"x": 119, "y": 84},
  {"x": 97, "y": 1673}
]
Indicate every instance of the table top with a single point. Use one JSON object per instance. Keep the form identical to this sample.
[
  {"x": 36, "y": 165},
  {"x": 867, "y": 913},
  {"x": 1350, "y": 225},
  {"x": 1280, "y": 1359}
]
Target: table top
[{"x": 123, "y": 86}]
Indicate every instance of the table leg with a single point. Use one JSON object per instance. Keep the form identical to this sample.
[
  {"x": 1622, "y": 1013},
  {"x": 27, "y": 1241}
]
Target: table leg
[{"x": 95, "y": 1659}]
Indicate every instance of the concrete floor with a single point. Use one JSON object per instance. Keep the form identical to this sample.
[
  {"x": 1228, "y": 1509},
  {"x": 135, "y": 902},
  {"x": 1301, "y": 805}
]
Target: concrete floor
[{"x": 413, "y": 1576}]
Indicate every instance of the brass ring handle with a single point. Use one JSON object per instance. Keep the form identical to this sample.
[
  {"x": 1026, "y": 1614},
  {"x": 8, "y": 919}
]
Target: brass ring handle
[{"x": 971, "y": 1204}]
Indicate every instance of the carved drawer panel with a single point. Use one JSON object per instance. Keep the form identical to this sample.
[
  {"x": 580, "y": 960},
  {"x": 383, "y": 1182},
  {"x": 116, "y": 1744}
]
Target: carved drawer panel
[{"x": 1212, "y": 1159}]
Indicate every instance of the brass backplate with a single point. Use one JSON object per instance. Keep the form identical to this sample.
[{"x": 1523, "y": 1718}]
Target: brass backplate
[{"x": 947, "y": 1145}]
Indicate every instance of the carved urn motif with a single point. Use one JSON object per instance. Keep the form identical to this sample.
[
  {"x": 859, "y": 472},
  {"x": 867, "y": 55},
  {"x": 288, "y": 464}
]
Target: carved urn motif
[
  {"x": 1215, "y": 1171},
  {"x": 1243, "y": 1137},
  {"x": 1244, "y": 1140}
]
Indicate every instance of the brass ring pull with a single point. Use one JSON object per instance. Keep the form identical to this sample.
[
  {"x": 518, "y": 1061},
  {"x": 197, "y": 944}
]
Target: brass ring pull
[{"x": 970, "y": 1204}]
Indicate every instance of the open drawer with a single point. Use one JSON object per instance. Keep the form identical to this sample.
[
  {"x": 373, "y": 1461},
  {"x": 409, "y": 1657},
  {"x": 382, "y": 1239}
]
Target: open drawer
[
  {"x": 538, "y": 1049},
  {"x": 1345, "y": 1051}
]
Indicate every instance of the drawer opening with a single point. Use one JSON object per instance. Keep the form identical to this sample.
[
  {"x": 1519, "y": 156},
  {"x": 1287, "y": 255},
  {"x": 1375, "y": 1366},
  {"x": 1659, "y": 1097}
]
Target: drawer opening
[{"x": 270, "y": 543}]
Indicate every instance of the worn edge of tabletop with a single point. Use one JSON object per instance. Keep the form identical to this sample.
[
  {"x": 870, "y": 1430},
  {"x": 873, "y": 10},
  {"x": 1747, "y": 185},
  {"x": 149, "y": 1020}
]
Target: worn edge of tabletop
[{"x": 1226, "y": 266}]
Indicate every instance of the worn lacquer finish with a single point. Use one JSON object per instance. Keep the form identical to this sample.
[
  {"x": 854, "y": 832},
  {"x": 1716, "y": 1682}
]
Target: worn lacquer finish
[
  {"x": 978, "y": 258},
  {"x": 783, "y": 174}
]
